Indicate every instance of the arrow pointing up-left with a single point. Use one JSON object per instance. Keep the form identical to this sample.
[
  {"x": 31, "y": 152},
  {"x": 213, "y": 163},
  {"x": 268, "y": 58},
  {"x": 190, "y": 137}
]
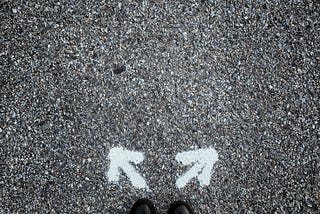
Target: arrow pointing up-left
[{"x": 122, "y": 158}]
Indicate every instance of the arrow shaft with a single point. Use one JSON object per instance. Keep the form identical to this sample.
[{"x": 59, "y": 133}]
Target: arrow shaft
[
  {"x": 187, "y": 176},
  {"x": 136, "y": 179}
]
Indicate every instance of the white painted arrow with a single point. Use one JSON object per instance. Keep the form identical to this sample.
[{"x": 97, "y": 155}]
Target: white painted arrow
[
  {"x": 202, "y": 160},
  {"x": 122, "y": 158}
]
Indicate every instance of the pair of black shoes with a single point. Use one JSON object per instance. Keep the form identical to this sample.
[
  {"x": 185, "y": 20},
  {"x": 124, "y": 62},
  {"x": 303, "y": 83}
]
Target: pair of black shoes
[{"x": 144, "y": 206}]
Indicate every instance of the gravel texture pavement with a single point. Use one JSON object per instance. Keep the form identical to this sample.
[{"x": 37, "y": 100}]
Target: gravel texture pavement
[{"x": 160, "y": 77}]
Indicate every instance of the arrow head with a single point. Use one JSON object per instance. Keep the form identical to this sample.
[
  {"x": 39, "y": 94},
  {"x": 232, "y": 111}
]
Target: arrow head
[{"x": 202, "y": 160}]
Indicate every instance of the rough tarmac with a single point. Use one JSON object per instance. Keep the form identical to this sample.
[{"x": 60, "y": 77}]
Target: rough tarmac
[{"x": 80, "y": 77}]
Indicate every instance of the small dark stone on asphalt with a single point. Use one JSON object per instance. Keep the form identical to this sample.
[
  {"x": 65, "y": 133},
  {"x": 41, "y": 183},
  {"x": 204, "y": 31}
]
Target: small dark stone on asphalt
[{"x": 119, "y": 69}]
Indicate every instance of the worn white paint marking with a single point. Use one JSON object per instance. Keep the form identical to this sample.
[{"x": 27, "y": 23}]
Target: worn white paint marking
[
  {"x": 122, "y": 158},
  {"x": 202, "y": 160}
]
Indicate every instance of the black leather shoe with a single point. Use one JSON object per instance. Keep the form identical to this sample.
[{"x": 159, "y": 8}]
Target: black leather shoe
[
  {"x": 180, "y": 207},
  {"x": 143, "y": 206}
]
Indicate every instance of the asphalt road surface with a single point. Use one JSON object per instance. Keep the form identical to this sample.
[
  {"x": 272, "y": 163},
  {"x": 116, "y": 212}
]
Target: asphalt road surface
[{"x": 79, "y": 78}]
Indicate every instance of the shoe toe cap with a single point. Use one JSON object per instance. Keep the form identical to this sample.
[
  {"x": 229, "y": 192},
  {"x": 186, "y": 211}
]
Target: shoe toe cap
[
  {"x": 181, "y": 209},
  {"x": 143, "y": 209}
]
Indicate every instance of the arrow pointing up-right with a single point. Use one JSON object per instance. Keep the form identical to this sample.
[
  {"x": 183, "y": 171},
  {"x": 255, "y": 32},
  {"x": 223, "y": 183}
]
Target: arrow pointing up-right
[{"x": 202, "y": 160}]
